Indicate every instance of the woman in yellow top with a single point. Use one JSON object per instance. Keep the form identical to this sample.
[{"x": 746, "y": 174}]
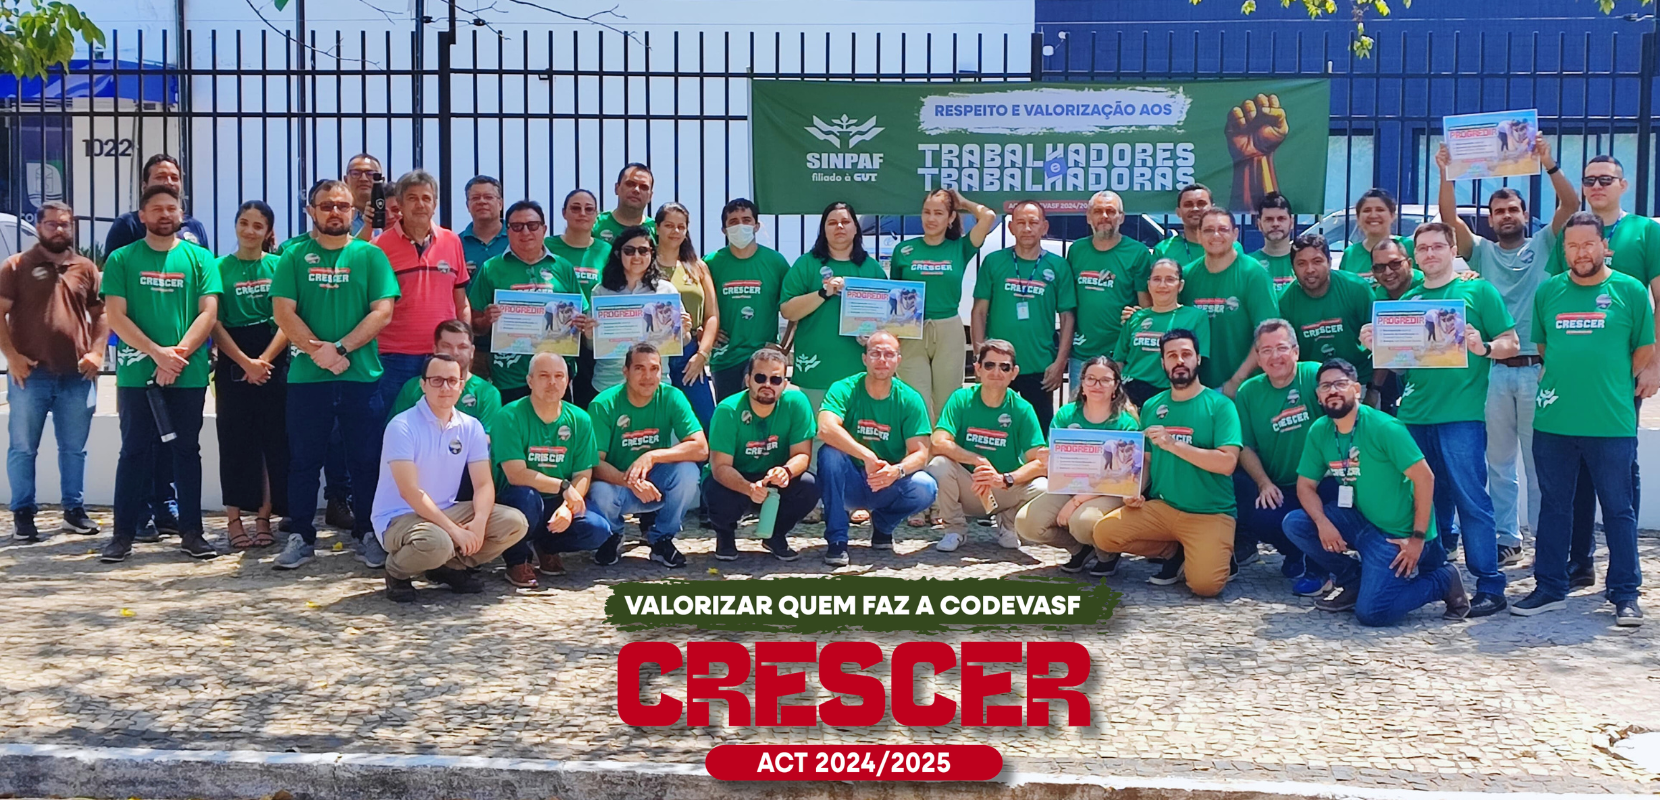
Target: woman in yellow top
[{"x": 678, "y": 259}]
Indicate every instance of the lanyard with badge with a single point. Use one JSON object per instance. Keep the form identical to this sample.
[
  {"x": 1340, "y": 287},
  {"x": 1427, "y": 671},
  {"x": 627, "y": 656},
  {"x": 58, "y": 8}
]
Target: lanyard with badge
[
  {"x": 1023, "y": 308},
  {"x": 1346, "y": 482}
]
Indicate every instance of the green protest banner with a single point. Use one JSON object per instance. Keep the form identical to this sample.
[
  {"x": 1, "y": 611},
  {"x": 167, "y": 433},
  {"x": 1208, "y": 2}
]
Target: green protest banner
[{"x": 882, "y": 146}]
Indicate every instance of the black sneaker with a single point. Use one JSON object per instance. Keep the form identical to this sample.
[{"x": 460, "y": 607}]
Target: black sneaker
[
  {"x": 1078, "y": 561},
  {"x": 75, "y": 520},
  {"x": 1536, "y": 603},
  {"x": 148, "y": 534},
  {"x": 1341, "y": 599},
  {"x": 664, "y": 552},
  {"x": 780, "y": 548},
  {"x": 338, "y": 514},
  {"x": 23, "y": 528},
  {"x": 1628, "y": 614},
  {"x": 608, "y": 553},
  {"x": 1486, "y": 604},
  {"x": 726, "y": 547},
  {"x": 195, "y": 546},
  {"x": 285, "y": 525},
  {"x": 1233, "y": 567},
  {"x": 460, "y": 581},
  {"x": 1582, "y": 578},
  {"x": 117, "y": 550},
  {"x": 399, "y": 590},
  {"x": 881, "y": 541},
  {"x": 1510, "y": 555},
  {"x": 1456, "y": 598},
  {"x": 835, "y": 555},
  {"x": 1170, "y": 573},
  {"x": 1104, "y": 567}
]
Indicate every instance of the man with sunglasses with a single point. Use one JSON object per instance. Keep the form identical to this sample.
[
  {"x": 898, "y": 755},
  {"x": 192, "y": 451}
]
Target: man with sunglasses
[
  {"x": 988, "y": 450},
  {"x": 875, "y": 429},
  {"x": 425, "y": 531},
  {"x": 760, "y": 441},
  {"x": 1326, "y": 307},
  {"x": 331, "y": 295},
  {"x": 527, "y": 266},
  {"x": 1395, "y": 276},
  {"x": 1235, "y": 292},
  {"x": 1385, "y": 490}
]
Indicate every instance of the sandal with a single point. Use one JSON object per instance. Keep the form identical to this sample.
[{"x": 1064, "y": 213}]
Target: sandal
[
  {"x": 262, "y": 532},
  {"x": 859, "y": 517},
  {"x": 238, "y": 535}
]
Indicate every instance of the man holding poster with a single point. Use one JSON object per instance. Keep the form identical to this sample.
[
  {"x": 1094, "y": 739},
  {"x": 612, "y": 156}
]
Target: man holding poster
[
  {"x": 527, "y": 266},
  {"x": 1018, "y": 295}
]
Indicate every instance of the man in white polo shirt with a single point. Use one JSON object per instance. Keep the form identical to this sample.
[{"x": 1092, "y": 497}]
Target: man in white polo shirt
[{"x": 424, "y": 530}]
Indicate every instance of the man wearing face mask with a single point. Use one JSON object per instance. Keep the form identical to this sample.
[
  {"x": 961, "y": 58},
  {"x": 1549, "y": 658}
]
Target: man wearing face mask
[{"x": 749, "y": 277}]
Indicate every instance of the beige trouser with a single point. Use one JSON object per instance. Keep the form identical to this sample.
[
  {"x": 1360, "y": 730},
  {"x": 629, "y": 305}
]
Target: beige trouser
[
  {"x": 933, "y": 365},
  {"x": 1154, "y": 530},
  {"x": 957, "y": 501},
  {"x": 1036, "y": 521},
  {"x": 414, "y": 545}
]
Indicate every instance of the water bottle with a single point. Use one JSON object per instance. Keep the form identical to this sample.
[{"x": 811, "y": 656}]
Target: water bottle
[
  {"x": 769, "y": 515},
  {"x": 158, "y": 409},
  {"x": 377, "y": 203}
]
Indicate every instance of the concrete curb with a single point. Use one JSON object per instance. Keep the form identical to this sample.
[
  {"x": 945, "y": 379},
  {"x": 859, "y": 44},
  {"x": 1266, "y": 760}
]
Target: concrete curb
[{"x": 59, "y": 771}]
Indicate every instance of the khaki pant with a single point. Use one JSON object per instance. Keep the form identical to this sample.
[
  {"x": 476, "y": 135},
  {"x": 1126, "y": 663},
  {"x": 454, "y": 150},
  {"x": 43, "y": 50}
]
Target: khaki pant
[
  {"x": 1036, "y": 521},
  {"x": 933, "y": 365},
  {"x": 414, "y": 545},
  {"x": 957, "y": 501},
  {"x": 1154, "y": 530}
]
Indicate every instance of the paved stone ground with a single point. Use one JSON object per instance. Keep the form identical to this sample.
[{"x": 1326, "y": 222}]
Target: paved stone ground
[{"x": 169, "y": 653}]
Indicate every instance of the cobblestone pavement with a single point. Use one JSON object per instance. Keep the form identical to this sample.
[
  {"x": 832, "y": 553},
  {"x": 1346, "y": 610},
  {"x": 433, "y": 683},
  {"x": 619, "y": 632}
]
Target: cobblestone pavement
[{"x": 169, "y": 653}]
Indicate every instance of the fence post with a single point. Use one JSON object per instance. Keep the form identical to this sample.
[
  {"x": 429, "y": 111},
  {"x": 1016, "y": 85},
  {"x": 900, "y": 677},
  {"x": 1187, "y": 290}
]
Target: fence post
[
  {"x": 446, "y": 41},
  {"x": 1037, "y": 56},
  {"x": 1645, "y": 125}
]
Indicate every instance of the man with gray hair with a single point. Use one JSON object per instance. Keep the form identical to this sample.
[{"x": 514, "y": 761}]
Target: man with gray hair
[
  {"x": 431, "y": 266},
  {"x": 1111, "y": 269}
]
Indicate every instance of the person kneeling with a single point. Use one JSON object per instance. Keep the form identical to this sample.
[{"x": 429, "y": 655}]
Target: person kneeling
[
  {"x": 760, "y": 441},
  {"x": 1383, "y": 510},
  {"x": 544, "y": 448},
  {"x": 424, "y": 530}
]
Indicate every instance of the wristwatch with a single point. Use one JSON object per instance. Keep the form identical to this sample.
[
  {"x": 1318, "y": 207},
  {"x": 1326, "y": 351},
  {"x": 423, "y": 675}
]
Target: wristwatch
[
  {"x": 340, "y": 348},
  {"x": 1554, "y": 170},
  {"x": 1419, "y": 535},
  {"x": 823, "y": 294},
  {"x": 1008, "y": 480}
]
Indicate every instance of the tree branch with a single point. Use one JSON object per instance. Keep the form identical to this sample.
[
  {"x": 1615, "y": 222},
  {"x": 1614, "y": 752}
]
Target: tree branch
[{"x": 290, "y": 38}]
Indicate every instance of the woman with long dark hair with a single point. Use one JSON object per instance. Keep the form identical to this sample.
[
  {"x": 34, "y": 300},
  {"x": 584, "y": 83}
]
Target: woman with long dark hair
[
  {"x": 250, "y": 378},
  {"x": 631, "y": 268},
  {"x": 933, "y": 365},
  {"x": 813, "y": 301},
  {"x": 677, "y": 258},
  {"x": 587, "y": 255}
]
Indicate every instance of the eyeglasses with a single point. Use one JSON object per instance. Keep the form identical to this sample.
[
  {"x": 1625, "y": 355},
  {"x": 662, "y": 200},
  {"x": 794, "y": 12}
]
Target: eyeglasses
[
  {"x": 1394, "y": 263},
  {"x": 1432, "y": 247},
  {"x": 775, "y": 380},
  {"x": 360, "y": 173},
  {"x": 1598, "y": 180},
  {"x": 1216, "y": 231},
  {"x": 1107, "y": 381},
  {"x": 997, "y": 366},
  {"x": 330, "y": 208},
  {"x": 53, "y": 226},
  {"x": 631, "y": 250},
  {"x": 522, "y": 227},
  {"x": 883, "y": 355},
  {"x": 441, "y": 382},
  {"x": 1333, "y": 386},
  {"x": 1278, "y": 350}
]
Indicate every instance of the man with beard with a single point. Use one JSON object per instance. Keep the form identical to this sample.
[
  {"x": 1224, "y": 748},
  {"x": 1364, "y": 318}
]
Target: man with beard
[
  {"x": 161, "y": 296},
  {"x": 332, "y": 295},
  {"x": 1187, "y": 515},
  {"x": 1594, "y": 327},
  {"x": 1275, "y": 221},
  {"x": 760, "y": 441},
  {"x": 1327, "y": 308},
  {"x": 633, "y": 190},
  {"x": 875, "y": 428},
  {"x": 1385, "y": 490},
  {"x": 1111, "y": 270},
  {"x": 1235, "y": 292},
  {"x": 1187, "y": 247},
  {"x": 1515, "y": 265},
  {"x": 52, "y": 332}
]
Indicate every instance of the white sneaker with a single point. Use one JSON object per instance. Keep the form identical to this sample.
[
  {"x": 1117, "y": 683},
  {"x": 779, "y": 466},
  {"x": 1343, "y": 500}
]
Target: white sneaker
[
  {"x": 949, "y": 542},
  {"x": 1008, "y": 539}
]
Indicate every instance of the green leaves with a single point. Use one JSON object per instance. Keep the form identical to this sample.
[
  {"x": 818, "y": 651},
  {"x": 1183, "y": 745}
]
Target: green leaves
[{"x": 41, "y": 34}]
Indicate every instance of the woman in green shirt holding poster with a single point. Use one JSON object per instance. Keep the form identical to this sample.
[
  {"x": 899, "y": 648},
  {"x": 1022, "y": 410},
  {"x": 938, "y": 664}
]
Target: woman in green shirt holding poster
[{"x": 812, "y": 297}]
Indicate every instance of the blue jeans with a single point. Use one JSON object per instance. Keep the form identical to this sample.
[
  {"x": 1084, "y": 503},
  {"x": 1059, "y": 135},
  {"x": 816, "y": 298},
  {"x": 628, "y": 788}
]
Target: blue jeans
[
  {"x": 313, "y": 411},
  {"x": 586, "y": 532},
  {"x": 678, "y": 484},
  {"x": 397, "y": 369},
  {"x": 701, "y": 394},
  {"x": 1510, "y": 394},
  {"x": 1268, "y": 524},
  {"x": 71, "y": 400},
  {"x": 842, "y": 483},
  {"x": 140, "y": 444},
  {"x": 1456, "y": 452},
  {"x": 1582, "y": 553},
  {"x": 1609, "y": 459},
  {"x": 1385, "y": 598}
]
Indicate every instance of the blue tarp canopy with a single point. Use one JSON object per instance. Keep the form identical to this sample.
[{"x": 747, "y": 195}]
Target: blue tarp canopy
[{"x": 146, "y": 81}]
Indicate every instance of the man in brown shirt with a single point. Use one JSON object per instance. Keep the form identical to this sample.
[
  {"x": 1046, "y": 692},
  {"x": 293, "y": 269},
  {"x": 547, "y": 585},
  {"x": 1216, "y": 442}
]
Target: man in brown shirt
[{"x": 53, "y": 334}]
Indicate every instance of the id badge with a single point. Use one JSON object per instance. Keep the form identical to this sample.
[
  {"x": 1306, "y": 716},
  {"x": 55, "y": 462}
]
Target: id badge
[
  {"x": 1345, "y": 497},
  {"x": 1022, "y": 310}
]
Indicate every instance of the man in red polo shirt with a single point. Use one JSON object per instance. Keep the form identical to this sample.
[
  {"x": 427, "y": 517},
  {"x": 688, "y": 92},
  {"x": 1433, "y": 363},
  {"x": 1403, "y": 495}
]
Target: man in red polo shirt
[{"x": 431, "y": 267}]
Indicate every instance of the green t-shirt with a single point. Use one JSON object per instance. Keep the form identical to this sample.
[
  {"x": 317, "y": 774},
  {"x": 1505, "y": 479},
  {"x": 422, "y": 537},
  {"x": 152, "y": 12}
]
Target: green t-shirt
[
  {"x": 163, "y": 291},
  {"x": 1329, "y": 327},
  {"x": 756, "y": 443},
  {"x": 588, "y": 262},
  {"x": 1373, "y": 458},
  {"x": 881, "y": 425},
  {"x": 822, "y": 355},
  {"x": 1634, "y": 242},
  {"x": 1107, "y": 282},
  {"x": 1178, "y": 249},
  {"x": 1275, "y": 421},
  {"x": 1236, "y": 299},
  {"x": 1358, "y": 260},
  {"x": 478, "y": 400},
  {"x": 510, "y": 273},
  {"x": 623, "y": 431},
  {"x": 1279, "y": 270},
  {"x": 1043, "y": 288},
  {"x": 941, "y": 268},
  {"x": 1435, "y": 396},
  {"x": 293, "y": 240},
  {"x": 746, "y": 292},
  {"x": 558, "y": 449},
  {"x": 247, "y": 296},
  {"x": 332, "y": 291},
  {"x": 1071, "y": 415},
  {"x": 606, "y": 227},
  {"x": 1380, "y": 293},
  {"x": 1207, "y": 420},
  {"x": 1138, "y": 348},
  {"x": 1589, "y": 333},
  {"x": 1001, "y": 434}
]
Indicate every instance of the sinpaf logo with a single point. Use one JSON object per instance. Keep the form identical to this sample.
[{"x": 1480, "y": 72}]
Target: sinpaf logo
[{"x": 835, "y": 167}]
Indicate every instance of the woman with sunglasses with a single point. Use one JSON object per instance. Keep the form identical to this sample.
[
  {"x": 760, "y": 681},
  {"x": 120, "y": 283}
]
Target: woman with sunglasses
[
  {"x": 812, "y": 300},
  {"x": 678, "y": 259},
  {"x": 939, "y": 259},
  {"x": 1138, "y": 347},
  {"x": 632, "y": 268},
  {"x": 1375, "y": 216},
  {"x": 1068, "y": 521}
]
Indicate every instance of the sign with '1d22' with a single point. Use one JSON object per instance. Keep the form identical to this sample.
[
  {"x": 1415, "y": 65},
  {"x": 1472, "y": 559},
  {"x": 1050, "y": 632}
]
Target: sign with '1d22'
[{"x": 882, "y": 146}]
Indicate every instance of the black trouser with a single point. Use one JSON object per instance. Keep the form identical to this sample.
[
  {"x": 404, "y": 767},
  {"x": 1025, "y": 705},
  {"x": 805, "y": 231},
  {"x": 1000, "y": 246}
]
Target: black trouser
[
  {"x": 1582, "y": 547},
  {"x": 253, "y": 446},
  {"x": 1030, "y": 386},
  {"x": 730, "y": 381},
  {"x": 140, "y": 444},
  {"x": 583, "y": 389},
  {"x": 726, "y": 507},
  {"x": 1140, "y": 392}
]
